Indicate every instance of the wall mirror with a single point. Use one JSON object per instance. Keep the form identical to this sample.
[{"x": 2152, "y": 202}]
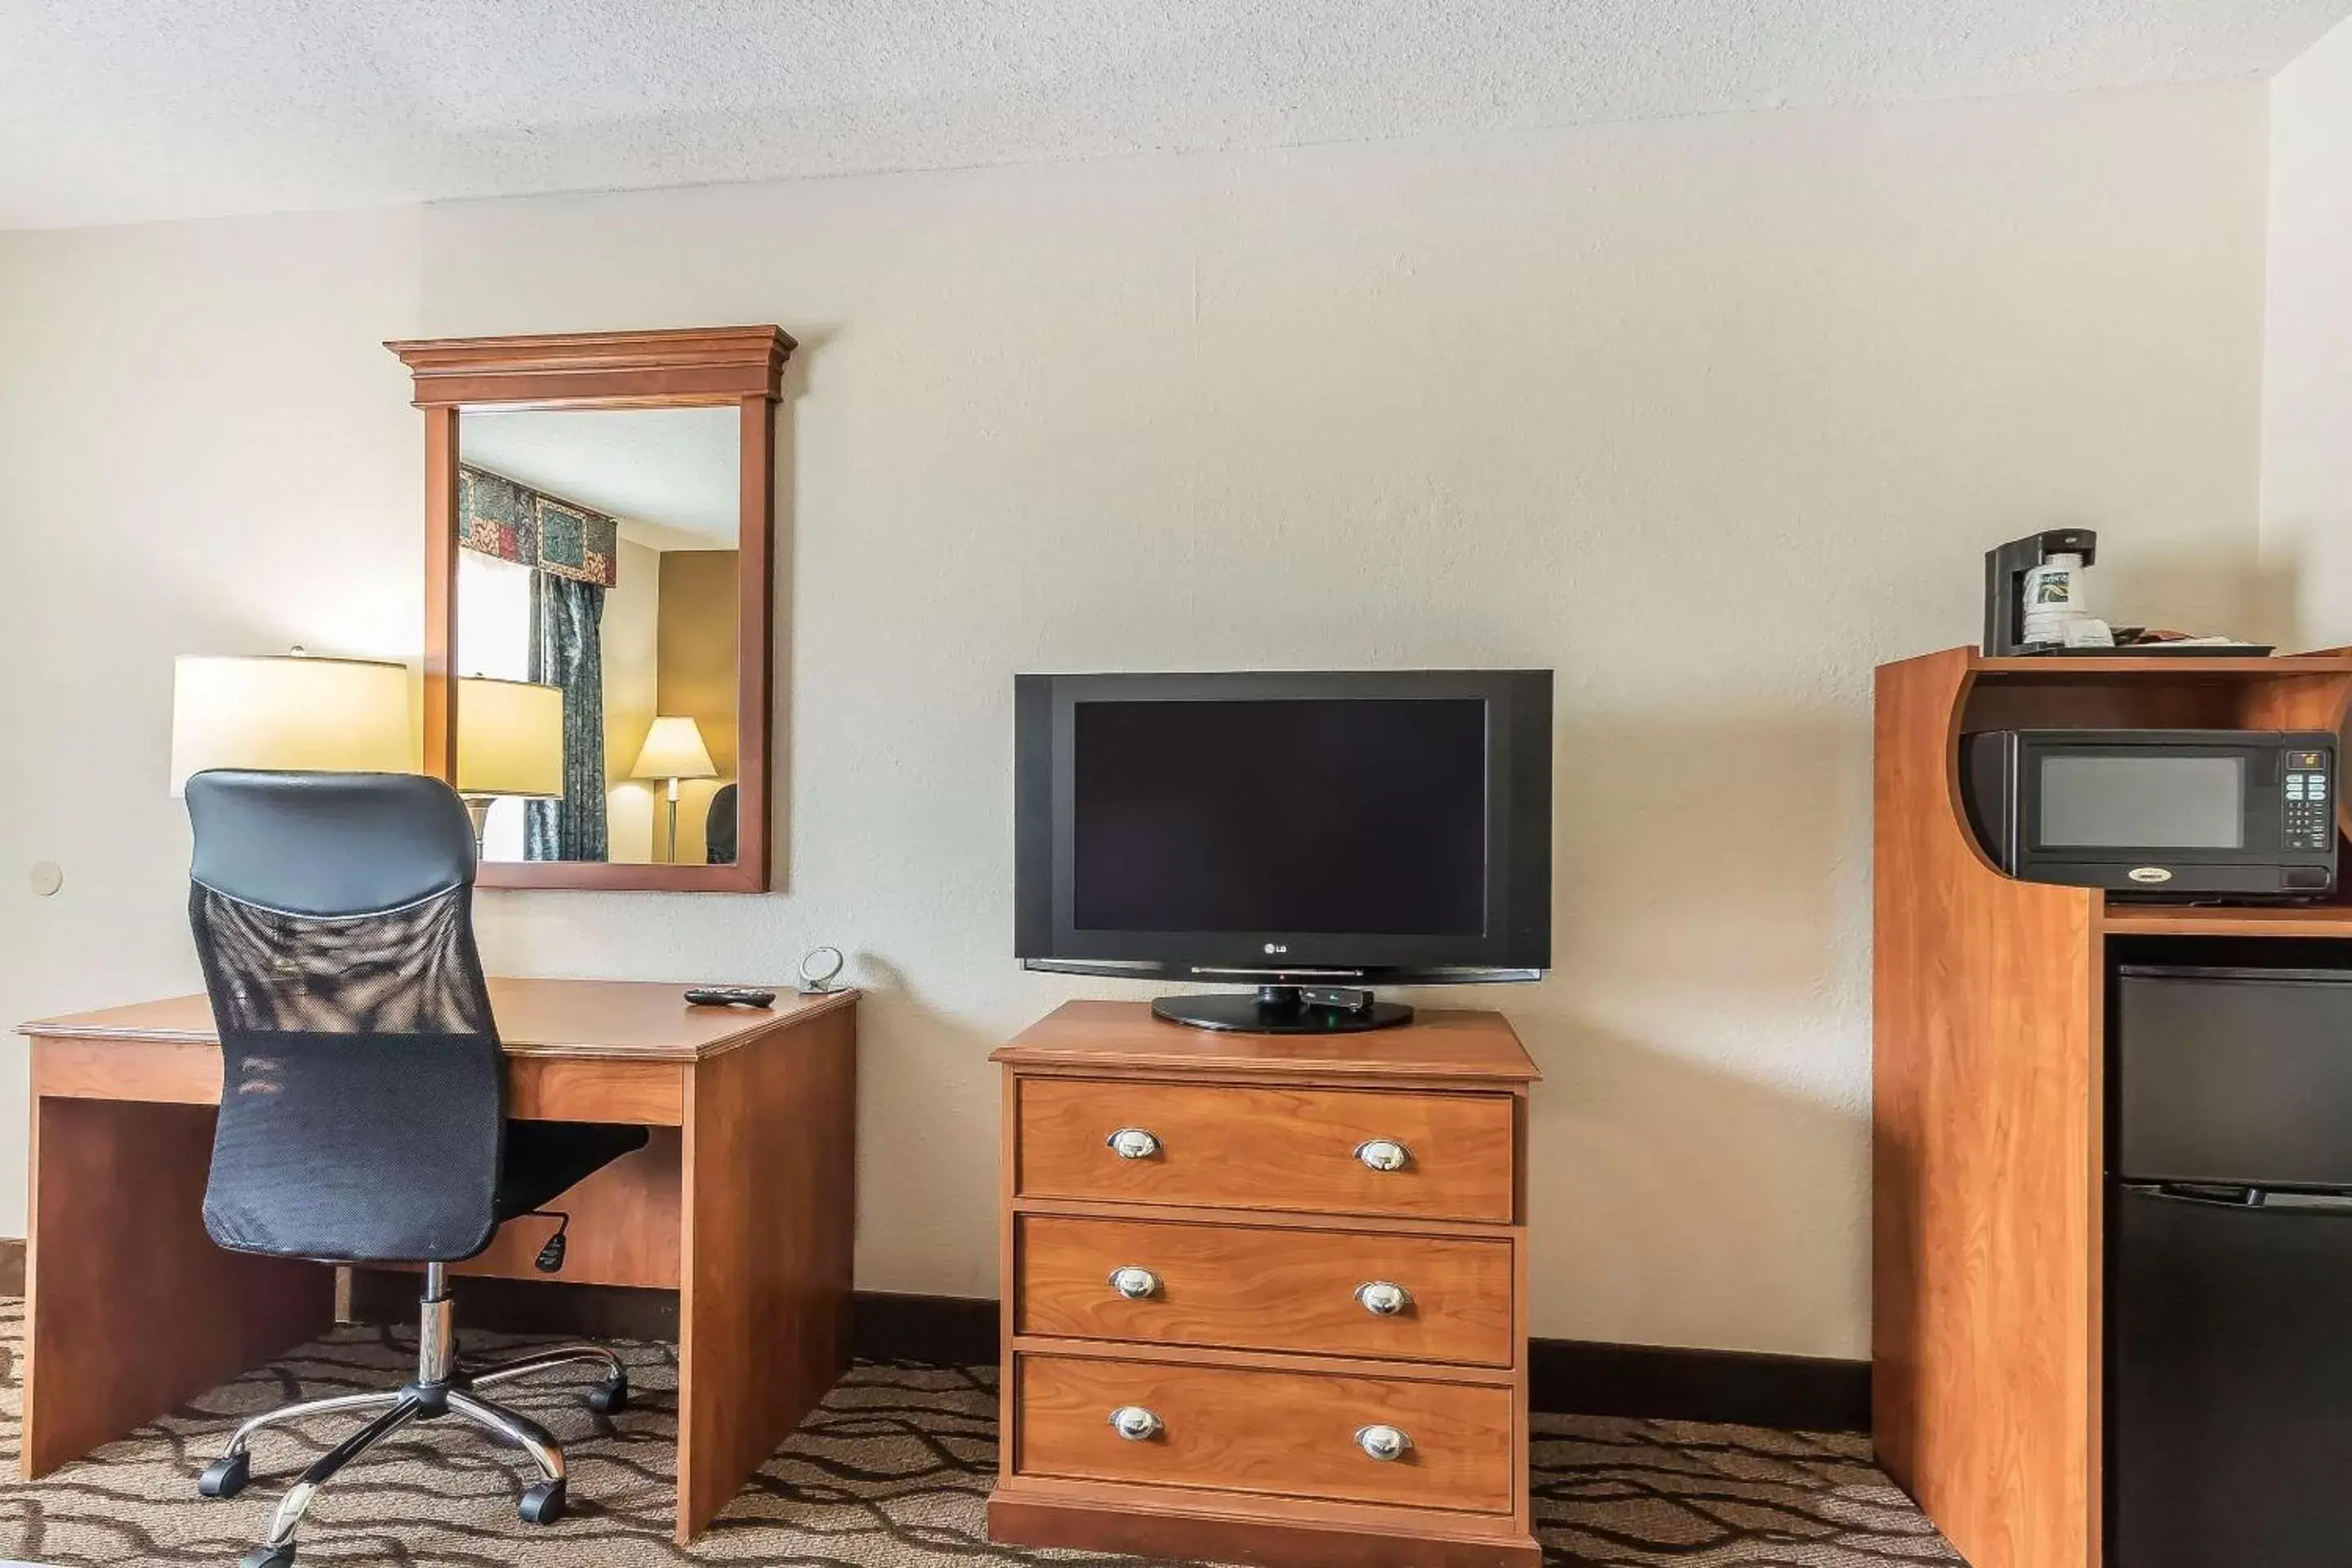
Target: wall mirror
[{"x": 600, "y": 533}]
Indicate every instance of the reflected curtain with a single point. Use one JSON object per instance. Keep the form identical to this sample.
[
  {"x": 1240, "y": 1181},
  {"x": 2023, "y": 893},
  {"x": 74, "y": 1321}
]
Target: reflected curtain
[{"x": 567, "y": 651}]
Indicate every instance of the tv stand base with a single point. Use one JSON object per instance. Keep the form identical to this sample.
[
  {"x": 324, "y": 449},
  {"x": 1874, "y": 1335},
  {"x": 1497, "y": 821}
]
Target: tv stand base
[{"x": 1277, "y": 1010}]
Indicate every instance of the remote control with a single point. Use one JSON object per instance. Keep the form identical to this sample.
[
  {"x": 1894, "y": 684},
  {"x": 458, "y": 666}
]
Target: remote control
[{"x": 731, "y": 996}]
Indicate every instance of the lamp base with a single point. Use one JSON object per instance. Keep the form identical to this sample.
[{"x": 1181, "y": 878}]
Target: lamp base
[{"x": 477, "y": 808}]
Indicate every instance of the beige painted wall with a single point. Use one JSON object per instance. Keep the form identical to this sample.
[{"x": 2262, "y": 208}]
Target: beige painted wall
[
  {"x": 699, "y": 677},
  {"x": 1710, "y": 416},
  {"x": 631, "y": 652},
  {"x": 2306, "y": 509}
]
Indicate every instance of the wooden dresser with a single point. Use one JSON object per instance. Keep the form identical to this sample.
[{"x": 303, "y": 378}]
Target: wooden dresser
[{"x": 1265, "y": 1296}]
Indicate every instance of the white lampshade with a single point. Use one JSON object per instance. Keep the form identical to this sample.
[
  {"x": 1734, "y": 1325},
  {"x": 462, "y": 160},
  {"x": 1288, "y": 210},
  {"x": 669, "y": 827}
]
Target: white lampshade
[
  {"x": 509, "y": 738},
  {"x": 289, "y": 710},
  {"x": 674, "y": 750}
]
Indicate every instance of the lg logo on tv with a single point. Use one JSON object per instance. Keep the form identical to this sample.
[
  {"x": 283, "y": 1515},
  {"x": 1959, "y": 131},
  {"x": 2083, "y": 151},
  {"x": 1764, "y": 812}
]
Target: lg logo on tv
[{"x": 1278, "y": 947}]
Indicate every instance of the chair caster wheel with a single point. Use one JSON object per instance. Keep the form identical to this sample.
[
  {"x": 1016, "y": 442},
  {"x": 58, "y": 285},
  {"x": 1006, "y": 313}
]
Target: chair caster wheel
[
  {"x": 269, "y": 1557},
  {"x": 226, "y": 1476},
  {"x": 542, "y": 1503},
  {"x": 609, "y": 1397}
]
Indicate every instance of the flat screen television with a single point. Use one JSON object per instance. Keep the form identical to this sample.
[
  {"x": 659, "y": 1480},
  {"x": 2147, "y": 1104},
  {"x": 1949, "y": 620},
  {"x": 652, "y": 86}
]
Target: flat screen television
[{"x": 1309, "y": 835}]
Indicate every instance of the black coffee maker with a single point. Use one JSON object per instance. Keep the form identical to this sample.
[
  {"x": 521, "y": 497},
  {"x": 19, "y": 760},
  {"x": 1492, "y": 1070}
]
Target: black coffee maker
[{"x": 2006, "y": 571}]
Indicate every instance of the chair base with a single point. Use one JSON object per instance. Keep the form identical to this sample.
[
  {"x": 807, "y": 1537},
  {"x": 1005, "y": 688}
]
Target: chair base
[{"x": 443, "y": 1385}]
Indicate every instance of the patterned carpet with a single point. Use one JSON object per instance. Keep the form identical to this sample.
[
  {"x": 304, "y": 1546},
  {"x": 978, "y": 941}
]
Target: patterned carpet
[{"x": 890, "y": 1473}]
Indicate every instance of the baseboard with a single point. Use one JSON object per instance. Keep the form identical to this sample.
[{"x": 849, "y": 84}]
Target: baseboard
[
  {"x": 1798, "y": 1393},
  {"x": 1569, "y": 1377},
  {"x": 12, "y": 1265},
  {"x": 935, "y": 1331}
]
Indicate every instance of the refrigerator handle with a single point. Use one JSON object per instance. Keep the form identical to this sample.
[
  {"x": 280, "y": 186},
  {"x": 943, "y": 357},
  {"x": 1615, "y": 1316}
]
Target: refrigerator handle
[{"x": 2214, "y": 1196}]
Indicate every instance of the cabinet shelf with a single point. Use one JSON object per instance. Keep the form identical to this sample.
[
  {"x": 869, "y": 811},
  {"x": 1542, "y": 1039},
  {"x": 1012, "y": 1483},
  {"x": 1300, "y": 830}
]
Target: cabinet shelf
[
  {"x": 2160, "y": 666},
  {"x": 2174, "y": 919}
]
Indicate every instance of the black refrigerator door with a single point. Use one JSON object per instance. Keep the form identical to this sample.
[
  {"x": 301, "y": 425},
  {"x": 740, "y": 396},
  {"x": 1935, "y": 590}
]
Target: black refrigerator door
[
  {"x": 2229, "y": 1382},
  {"x": 2233, "y": 1075}
]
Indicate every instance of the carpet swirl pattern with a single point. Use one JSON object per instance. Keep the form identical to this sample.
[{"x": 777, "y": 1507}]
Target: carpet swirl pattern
[{"x": 891, "y": 1472}]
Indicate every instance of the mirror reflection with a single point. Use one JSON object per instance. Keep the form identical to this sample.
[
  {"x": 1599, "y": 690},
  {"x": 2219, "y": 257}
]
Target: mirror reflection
[{"x": 596, "y": 592}]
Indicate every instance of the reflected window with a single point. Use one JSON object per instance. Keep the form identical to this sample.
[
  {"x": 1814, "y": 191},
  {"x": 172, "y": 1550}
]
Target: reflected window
[{"x": 494, "y": 631}]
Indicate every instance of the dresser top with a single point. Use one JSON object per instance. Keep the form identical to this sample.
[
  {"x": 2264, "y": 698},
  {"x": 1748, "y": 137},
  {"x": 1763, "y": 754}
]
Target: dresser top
[{"x": 1440, "y": 1043}]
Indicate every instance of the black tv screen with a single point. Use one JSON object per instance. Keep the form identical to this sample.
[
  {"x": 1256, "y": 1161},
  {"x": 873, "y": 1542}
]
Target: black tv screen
[
  {"x": 1384, "y": 824},
  {"x": 1302, "y": 814}
]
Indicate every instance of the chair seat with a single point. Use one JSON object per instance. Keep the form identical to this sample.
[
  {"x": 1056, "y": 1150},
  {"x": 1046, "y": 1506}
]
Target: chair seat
[{"x": 547, "y": 1159}]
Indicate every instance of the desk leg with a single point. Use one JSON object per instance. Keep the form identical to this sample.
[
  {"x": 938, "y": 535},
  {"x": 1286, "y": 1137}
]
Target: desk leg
[
  {"x": 770, "y": 1219},
  {"x": 132, "y": 1310}
]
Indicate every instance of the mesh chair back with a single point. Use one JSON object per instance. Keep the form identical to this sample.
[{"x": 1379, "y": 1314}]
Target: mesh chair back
[{"x": 362, "y": 1106}]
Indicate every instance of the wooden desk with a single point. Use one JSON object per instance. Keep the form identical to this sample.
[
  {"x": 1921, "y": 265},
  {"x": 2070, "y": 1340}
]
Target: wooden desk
[{"x": 744, "y": 1201}]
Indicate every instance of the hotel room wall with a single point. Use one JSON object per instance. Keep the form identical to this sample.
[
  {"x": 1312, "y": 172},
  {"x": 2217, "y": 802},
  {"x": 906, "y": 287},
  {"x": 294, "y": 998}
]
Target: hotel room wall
[
  {"x": 630, "y": 639},
  {"x": 1710, "y": 416},
  {"x": 2306, "y": 512},
  {"x": 699, "y": 678}
]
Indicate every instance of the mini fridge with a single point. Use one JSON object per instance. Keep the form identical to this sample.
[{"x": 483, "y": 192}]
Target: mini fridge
[{"x": 2229, "y": 1312}]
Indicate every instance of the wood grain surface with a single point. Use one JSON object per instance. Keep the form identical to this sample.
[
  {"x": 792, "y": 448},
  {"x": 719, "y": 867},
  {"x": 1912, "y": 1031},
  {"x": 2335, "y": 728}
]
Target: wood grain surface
[
  {"x": 624, "y": 1225},
  {"x": 1288, "y": 1433},
  {"x": 1258, "y": 1288},
  {"x": 1268, "y": 1147},
  {"x": 1120, "y": 1036},
  {"x": 635, "y": 1019},
  {"x": 1988, "y": 1263},
  {"x": 1176, "y": 1528},
  {"x": 2184, "y": 920},
  {"x": 647, "y": 1093},
  {"x": 748, "y": 1209},
  {"x": 1985, "y": 1160},
  {"x": 771, "y": 1206},
  {"x": 132, "y": 1309}
]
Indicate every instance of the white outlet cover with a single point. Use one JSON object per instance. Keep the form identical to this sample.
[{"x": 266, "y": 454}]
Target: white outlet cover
[{"x": 47, "y": 878}]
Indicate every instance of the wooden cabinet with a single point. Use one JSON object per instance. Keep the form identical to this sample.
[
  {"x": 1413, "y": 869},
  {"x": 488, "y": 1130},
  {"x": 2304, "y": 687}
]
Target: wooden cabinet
[
  {"x": 1270, "y": 1434},
  {"x": 1265, "y": 1296},
  {"x": 1990, "y": 1090},
  {"x": 1269, "y": 1148},
  {"x": 1268, "y": 1287}
]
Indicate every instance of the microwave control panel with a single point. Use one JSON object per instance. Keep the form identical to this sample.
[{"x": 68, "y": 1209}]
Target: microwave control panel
[{"x": 2310, "y": 803}]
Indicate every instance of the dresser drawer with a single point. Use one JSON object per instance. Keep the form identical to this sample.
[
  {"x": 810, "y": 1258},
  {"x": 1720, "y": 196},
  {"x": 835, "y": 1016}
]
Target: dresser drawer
[
  {"x": 1288, "y": 1434},
  {"x": 1253, "y": 1287},
  {"x": 1248, "y": 1146}
]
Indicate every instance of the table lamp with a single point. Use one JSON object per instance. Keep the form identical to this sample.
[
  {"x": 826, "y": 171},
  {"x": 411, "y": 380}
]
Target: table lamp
[
  {"x": 510, "y": 742},
  {"x": 292, "y": 712},
  {"x": 674, "y": 751}
]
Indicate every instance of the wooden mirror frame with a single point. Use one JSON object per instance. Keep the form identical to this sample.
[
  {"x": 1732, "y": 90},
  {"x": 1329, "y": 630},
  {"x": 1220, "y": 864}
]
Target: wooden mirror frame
[{"x": 692, "y": 368}]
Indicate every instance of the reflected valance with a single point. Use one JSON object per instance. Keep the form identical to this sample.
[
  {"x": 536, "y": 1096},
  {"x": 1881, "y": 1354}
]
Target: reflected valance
[{"x": 497, "y": 516}]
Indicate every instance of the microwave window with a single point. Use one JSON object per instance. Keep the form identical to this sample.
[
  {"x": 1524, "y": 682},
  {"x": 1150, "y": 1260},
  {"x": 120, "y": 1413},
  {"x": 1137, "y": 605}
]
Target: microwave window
[{"x": 2143, "y": 801}]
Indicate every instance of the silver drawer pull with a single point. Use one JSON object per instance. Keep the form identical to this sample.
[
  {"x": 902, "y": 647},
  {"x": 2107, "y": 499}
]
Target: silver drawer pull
[
  {"x": 1385, "y": 1444},
  {"x": 1136, "y": 1425},
  {"x": 1382, "y": 1297},
  {"x": 1384, "y": 1154},
  {"x": 1133, "y": 1143},
  {"x": 1135, "y": 1283}
]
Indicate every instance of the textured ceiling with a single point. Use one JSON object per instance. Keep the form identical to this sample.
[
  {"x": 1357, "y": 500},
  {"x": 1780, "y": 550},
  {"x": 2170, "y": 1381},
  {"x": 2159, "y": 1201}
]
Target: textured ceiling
[{"x": 115, "y": 111}]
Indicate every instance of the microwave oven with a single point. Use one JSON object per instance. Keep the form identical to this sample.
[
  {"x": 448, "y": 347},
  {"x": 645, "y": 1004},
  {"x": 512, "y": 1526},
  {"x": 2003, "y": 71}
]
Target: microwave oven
[{"x": 2179, "y": 813}]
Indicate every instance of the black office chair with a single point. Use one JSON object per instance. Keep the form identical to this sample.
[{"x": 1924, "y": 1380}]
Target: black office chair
[
  {"x": 363, "y": 1097},
  {"x": 719, "y": 827}
]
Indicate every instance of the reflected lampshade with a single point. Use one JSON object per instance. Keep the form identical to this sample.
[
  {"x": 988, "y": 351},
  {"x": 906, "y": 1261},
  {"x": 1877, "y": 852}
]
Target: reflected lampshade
[
  {"x": 290, "y": 712},
  {"x": 674, "y": 750},
  {"x": 509, "y": 738}
]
